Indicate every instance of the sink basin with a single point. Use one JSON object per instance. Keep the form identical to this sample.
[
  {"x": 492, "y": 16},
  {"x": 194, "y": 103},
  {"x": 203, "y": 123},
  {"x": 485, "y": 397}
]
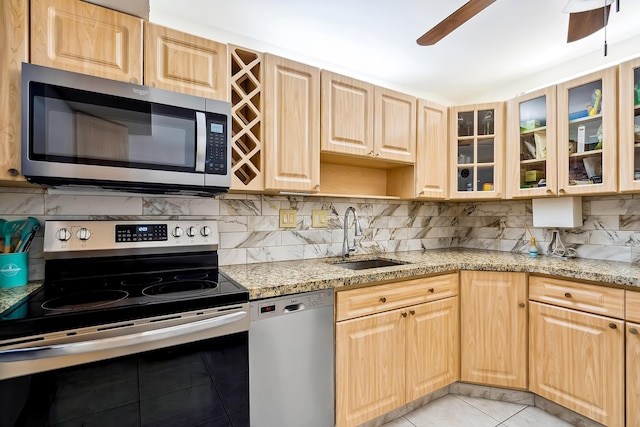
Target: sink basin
[{"x": 367, "y": 263}]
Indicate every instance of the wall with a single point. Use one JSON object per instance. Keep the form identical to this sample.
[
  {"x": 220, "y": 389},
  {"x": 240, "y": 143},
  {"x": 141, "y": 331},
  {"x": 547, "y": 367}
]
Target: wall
[{"x": 250, "y": 233}]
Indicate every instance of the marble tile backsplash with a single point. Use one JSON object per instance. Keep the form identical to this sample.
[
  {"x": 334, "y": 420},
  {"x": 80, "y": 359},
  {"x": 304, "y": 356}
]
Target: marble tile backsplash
[{"x": 250, "y": 233}]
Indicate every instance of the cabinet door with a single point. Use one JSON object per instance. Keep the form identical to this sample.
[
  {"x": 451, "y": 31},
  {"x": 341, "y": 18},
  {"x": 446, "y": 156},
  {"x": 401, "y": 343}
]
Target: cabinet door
[
  {"x": 185, "y": 63},
  {"x": 292, "y": 125},
  {"x": 395, "y": 126},
  {"x": 531, "y": 163},
  {"x": 347, "y": 115},
  {"x": 433, "y": 347},
  {"x": 370, "y": 358},
  {"x": 81, "y": 37},
  {"x": 432, "y": 151},
  {"x": 577, "y": 361},
  {"x": 476, "y": 135},
  {"x": 629, "y": 123},
  {"x": 493, "y": 328},
  {"x": 587, "y": 134},
  {"x": 633, "y": 374},
  {"x": 14, "y": 38}
]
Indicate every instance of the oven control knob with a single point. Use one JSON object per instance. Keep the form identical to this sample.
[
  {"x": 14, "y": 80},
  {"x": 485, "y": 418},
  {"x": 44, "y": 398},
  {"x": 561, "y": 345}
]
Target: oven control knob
[
  {"x": 83, "y": 234},
  {"x": 177, "y": 232},
  {"x": 205, "y": 231},
  {"x": 192, "y": 231},
  {"x": 63, "y": 234}
]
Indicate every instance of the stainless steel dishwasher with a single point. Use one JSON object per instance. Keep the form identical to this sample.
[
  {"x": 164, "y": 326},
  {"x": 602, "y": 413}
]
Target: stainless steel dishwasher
[{"x": 291, "y": 361}]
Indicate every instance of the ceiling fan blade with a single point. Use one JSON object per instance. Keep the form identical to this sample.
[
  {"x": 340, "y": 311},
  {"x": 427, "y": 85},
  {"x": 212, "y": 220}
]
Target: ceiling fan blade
[
  {"x": 453, "y": 21},
  {"x": 583, "y": 24}
]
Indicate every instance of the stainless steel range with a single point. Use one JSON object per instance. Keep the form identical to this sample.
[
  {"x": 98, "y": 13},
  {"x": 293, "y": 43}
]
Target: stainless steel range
[{"x": 134, "y": 322}]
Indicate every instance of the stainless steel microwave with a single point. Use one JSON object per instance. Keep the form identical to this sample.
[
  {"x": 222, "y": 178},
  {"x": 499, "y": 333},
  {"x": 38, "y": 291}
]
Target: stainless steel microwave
[{"x": 90, "y": 132}]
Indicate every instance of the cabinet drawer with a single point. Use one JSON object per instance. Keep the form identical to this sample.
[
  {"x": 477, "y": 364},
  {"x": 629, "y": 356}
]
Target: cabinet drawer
[
  {"x": 378, "y": 298},
  {"x": 633, "y": 306},
  {"x": 580, "y": 296}
]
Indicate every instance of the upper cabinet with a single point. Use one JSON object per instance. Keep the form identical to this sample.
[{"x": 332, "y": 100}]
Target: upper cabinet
[
  {"x": 587, "y": 135},
  {"x": 477, "y": 151},
  {"x": 629, "y": 120},
  {"x": 292, "y": 125},
  {"x": 395, "y": 126},
  {"x": 531, "y": 168},
  {"x": 347, "y": 115},
  {"x": 14, "y": 39},
  {"x": 185, "y": 63},
  {"x": 432, "y": 151},
  {"x": 89, "y": 39}
]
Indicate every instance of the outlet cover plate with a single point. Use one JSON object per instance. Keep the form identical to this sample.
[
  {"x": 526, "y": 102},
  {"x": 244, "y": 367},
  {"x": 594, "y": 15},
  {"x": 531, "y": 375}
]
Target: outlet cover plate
[
  {"x": 288, "y": 218},
  {"x": 319, "y": 218}
]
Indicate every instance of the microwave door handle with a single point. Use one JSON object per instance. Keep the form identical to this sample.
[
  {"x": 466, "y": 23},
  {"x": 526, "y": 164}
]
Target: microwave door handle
[
  {"x": 201, "y": 140},
  {"x": 44, "y": 352}
]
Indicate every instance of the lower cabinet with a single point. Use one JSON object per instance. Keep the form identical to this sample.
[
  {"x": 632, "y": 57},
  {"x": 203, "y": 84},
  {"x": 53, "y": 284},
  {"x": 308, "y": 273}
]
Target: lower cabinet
[
  {"x": 493, "y": 328},
  {"x": 633, "y": 374},
  {"x": 387, "y": 359},
  {"x": 577, "y": 347}
]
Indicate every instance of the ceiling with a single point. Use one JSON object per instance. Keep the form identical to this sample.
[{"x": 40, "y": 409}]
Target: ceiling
[{"x": 510, "y": 47}]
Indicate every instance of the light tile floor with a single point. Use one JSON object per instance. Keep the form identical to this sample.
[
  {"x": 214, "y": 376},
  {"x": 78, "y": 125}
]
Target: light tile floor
[{"x": 465, "y": 411}]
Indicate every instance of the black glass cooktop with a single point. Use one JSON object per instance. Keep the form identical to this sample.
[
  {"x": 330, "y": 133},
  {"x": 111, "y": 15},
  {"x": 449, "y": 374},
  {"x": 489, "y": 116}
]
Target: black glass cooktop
[{"x": 88, "y": 292}]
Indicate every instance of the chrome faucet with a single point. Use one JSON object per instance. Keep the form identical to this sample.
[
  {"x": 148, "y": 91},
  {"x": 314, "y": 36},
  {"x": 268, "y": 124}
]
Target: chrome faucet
[{"x": 358, "y": 232}]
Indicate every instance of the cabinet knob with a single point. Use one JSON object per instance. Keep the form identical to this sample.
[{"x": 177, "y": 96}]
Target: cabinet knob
[
  {"x": 404, "y": 314},
  {"x": 317, "y": 187},
  {"x": 633, "y": 331},
  {"x": 613, "y": 326},
  {"x": 561, "y": 190},
  {"x": 549, "y": 191},
  {"x": 431, "y": 290},
  {"x": 421, "y": 193},
  {"x": 567, "y": 294},
  {"x": 383, "y": 299},
  {"x": 13, "y": 172},
  {"x": 412, "y": 312},
  {"x": 521, "y": 305}
]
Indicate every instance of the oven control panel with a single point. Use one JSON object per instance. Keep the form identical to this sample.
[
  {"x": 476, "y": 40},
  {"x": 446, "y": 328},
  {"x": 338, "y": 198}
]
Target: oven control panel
[{"x": 62, "y": 237}]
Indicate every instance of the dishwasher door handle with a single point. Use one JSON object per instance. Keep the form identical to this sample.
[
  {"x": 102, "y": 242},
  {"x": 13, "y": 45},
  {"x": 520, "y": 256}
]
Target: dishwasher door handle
[{"x": 293, "y": 308}]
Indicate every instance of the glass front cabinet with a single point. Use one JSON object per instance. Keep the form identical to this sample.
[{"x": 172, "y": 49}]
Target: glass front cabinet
[
  {"x": 629, "y": 120},
  {"x": 477, "y": 151},
  {"x": 587, "y": 134},
  {"x": 532, "y": 145}
]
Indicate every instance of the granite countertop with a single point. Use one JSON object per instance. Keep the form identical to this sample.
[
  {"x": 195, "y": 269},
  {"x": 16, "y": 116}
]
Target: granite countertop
[
  {"x": 272, "y": 279},
  {"x": 289, "y": 277}
]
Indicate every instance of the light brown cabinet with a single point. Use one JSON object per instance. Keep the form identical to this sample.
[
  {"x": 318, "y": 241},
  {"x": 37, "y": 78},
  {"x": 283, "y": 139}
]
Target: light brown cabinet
[
  {"x": 291, "y": 125},
  {"x": 531, "y": 165},
  {"x": 395, "y": 126},
  {"x": 85, "y": 38},
  {"x": 185, "y": 63},
  {"x": 629, "y": 125},
  {"x": 493, "y": 328},
  {"x": 587, "y": 134},
  {"x": 14, "y": 39},
  {"x": 632, "y": 362},
  {"x": 577, "y": 347},
  {"x": 403, "y": 349},
  {"x": 432, "y": 152},
  {"x": 476, "y": 153}
]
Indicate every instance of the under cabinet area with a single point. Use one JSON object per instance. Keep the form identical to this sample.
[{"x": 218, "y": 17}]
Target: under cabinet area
[
  {"x": 395, "y": 342},
  {"x": 577, "y": 356},
  {"x": 493, "y": 328}
]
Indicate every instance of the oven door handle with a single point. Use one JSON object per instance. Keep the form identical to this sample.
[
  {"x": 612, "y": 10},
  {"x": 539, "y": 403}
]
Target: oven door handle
[{"x": 36, "y": 353}]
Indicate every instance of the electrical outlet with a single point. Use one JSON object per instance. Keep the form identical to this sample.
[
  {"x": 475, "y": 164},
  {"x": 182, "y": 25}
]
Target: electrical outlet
[
  {"x": 288, "y": 218},
  {"x": 318, "y": 218}
]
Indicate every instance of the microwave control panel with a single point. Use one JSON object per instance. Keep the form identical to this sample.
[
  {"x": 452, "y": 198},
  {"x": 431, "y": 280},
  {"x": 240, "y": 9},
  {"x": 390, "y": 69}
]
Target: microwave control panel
[{"x": 216, "y": 159}]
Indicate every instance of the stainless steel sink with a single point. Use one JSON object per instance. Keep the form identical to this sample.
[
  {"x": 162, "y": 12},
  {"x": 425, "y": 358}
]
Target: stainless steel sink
[{"x": 368, "y": 263}]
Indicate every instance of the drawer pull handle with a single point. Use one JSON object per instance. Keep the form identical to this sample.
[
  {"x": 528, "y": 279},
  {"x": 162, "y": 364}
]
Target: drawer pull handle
[
  {"x": 404, "y": 314},
  {"x": 633, "y": 331},
  {"x": 613, "y": 326},
  {"x": 521, "y": 305},
  {"x": 412, "y": 312},
  {"x": 431, "y": 290},
  {"x": 567, "y": 294},
  {"x": 383, "y": 299}
]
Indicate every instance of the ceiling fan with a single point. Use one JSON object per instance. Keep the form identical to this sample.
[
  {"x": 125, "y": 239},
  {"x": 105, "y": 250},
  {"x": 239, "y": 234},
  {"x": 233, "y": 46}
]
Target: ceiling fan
[{"x": 585, "y": 18}]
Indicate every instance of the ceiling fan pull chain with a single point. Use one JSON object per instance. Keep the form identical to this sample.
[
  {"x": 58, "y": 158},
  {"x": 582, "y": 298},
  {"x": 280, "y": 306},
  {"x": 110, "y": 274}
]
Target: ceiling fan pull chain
[
  {"x": 617, "y": 5},
  {"x": 604, "y": 9}
]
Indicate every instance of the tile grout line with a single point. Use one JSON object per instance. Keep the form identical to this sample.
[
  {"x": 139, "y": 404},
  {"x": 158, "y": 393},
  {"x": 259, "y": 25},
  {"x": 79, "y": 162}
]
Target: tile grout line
[
  {"x": 488, "y": 415},
  {"x": 526, "y": 406},
  {"x": 477, "y": 409}
]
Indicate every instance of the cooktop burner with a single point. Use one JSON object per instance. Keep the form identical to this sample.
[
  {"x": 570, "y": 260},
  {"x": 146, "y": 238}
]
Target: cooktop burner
[
  {"x": 84, "y": 300},
  {"x": 181, "y": 288}
]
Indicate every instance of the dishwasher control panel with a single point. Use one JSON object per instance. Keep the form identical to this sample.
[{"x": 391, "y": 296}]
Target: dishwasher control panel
[{"x": 280, "y": 306}]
